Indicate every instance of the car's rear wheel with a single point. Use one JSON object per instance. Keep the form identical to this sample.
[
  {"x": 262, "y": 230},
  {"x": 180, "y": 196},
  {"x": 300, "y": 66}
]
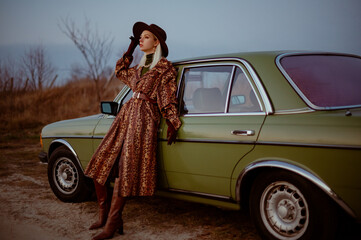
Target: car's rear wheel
[
  {"x": 66, "y": 177},
  {"x": 283, "y": 205}
]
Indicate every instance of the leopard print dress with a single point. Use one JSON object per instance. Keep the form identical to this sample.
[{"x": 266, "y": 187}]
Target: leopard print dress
[{"x": 132, "y": 137}]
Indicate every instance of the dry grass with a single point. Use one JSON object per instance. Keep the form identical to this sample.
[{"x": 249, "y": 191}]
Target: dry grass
[
  {"x": 32, "y": 109},
  {"x": 31, "y": 211},
  {"x": 30, "y": 206}
]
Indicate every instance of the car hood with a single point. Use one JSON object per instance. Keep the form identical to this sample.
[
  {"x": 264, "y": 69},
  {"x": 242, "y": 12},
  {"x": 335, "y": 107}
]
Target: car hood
[{"x": 78, "y": 127}]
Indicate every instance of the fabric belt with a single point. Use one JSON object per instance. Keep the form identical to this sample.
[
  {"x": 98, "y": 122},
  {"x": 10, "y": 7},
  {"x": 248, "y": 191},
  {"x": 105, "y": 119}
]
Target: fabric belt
[{"x": 139, "y": 95}]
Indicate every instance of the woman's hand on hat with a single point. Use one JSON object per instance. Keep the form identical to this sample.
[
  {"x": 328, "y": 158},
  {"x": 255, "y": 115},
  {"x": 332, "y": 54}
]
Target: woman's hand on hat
[
  {"x": 135, "y": 40},
  {"x": 133, "y": 44}
]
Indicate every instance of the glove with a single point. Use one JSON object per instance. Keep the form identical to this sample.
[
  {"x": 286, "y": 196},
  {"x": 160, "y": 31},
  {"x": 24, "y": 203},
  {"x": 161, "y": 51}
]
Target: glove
[
  {"x": 133, "y": 44},
  {"x": 171, "y": 133}
]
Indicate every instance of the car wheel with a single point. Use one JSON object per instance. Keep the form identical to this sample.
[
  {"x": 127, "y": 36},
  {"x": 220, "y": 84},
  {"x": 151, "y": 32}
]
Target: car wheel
[
  {"x": 66, "y": 178},
  {"x": 283, "y": 205}
]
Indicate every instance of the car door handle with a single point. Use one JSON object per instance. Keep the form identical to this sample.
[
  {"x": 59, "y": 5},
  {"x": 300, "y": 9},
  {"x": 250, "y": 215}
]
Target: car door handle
[{"x": 243, "y": 132}]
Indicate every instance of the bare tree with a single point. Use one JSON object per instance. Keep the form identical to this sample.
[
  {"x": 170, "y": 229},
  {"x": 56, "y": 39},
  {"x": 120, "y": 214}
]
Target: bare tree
[
  {"x": 11, "y": 80},
  {"x": 5, "y": 77},
  {"x": 95, "y": 48},
  {"x": 77, "y": 72},
  {"x": 37, "y": 68}
]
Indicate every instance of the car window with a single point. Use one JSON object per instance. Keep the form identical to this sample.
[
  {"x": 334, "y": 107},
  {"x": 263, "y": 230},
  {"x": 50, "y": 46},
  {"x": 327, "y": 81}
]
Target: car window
[
  {"x": 325, "y": 81},
  {"x": 205, "y": 89},
  {"x": 243, "y": 97}
]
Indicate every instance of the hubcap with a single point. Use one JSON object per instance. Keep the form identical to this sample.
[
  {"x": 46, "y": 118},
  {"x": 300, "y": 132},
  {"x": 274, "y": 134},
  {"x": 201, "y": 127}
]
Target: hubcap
[
  {"x": 284, "y": 210},
  {"x": 65, "y": 175}
]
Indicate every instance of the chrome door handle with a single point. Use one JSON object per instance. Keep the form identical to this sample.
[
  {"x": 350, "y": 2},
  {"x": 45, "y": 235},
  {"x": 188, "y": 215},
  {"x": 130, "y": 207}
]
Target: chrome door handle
[{"x": 243, "y": 132}]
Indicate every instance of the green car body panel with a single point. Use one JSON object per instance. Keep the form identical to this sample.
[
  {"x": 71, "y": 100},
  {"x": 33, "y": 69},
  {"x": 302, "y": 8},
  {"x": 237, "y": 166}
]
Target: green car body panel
[
  {"x": 217, "y": 166},
  {"x": 77, "y": 132}
]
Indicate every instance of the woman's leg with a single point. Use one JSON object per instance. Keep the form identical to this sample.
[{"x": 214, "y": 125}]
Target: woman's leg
[
  {"x": 103, "y": 203},
  {"x": 114, "y": 221}
]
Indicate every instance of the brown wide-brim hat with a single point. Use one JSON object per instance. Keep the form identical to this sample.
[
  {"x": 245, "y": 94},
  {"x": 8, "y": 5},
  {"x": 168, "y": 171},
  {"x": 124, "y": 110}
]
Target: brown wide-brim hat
[{"x": 139, "y": 27}]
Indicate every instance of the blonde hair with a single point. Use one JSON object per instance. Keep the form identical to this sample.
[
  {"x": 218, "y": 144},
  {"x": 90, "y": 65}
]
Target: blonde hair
[{"x": 157, "y": 56}]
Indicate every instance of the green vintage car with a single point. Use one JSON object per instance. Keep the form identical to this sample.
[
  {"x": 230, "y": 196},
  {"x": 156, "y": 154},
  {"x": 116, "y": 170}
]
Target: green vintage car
[{"x": 276, "y": 133}]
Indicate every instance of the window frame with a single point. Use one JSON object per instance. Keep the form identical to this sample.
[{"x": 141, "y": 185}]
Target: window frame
[{"x": 261, "y": 96}]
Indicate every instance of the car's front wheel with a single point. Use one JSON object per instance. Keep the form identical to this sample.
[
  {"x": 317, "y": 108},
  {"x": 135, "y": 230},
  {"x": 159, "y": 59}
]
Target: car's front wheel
[
  {"x": 283, "y": 205},
  {"x": 66, "y": 177}
]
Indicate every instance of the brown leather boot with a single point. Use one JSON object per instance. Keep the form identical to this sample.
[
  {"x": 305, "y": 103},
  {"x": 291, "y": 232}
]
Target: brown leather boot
[
  {"x": 103, "y": 202},
  {"x": 114, "y": 221}
]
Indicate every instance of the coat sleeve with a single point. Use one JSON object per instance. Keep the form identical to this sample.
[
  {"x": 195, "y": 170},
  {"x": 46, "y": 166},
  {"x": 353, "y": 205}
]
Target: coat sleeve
[
  {"x": 122, "y": 70},
  {"x": 166, "y": 98}
]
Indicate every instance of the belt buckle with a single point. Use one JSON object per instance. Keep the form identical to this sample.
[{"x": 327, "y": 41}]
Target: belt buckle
[{"x": 136, "y": 95}]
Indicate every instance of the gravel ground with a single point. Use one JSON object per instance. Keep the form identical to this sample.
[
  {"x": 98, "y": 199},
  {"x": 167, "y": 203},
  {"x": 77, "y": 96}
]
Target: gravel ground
[{"x": 29, "y": 209}]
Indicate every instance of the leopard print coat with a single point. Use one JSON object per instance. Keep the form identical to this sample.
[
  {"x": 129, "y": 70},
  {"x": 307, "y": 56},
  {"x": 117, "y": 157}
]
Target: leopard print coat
[{"x": 132, "y": 137}]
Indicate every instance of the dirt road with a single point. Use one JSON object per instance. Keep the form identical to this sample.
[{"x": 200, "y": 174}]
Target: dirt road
[{"x": 30, "y": 211}]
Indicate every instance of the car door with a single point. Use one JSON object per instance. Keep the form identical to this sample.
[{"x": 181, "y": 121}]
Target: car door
[
  {"x": 221, "y": 118},
  {"x": 104, "y": 124}
]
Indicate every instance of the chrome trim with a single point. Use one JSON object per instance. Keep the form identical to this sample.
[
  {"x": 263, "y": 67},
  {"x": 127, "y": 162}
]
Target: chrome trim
[
  {"x": 65, "y": 143},
  {"x": 200, "y": 194},
  {"x": 69, "y": 136},
  {"x": 294, "y": 111},
  {"x": 243, "y": 132},
  {"x": 225, "y": 114},
  {"x": 295, "y": 144},
  {"x": 180, "y": 82},
  {"x": 122, "y": 93},
  {"x": 310, "y": 145},
  {"x": 210, "y": 141},
  {"x": 251, "y": 71},
  {"x": 295, "y": 87},
  {"x": 230, "y": 83},
  {"x": 298, "y": 170}
]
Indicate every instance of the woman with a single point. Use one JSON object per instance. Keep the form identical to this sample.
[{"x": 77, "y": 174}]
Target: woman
[{"x": 129, "y": 148}]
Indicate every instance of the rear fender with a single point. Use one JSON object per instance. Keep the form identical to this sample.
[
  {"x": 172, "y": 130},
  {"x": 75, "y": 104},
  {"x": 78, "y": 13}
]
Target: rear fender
[{"x": 249, "y": 173}]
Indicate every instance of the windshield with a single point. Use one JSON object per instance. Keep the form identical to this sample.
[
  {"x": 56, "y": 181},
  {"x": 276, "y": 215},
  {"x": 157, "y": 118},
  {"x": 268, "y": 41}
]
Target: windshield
[{"x": 325, "y": 81}]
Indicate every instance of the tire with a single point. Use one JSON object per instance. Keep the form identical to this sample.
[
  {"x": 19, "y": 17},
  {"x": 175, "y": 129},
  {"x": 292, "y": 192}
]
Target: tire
[
  {"x": 66, "y": 178},
  {"x": 283, "y": 205}
]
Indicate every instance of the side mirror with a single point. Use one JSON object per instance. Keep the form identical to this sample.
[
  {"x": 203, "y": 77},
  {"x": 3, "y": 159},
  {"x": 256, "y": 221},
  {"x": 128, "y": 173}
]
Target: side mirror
[{"x": 110, "y": 108}]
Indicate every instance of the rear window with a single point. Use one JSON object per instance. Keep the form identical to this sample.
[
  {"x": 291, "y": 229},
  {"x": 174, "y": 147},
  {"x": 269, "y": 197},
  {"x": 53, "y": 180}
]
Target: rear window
[{"x": 325, "y": 81}]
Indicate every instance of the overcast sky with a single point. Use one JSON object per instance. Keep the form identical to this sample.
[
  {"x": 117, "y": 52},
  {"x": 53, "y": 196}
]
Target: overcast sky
[{"x": 194, "y": 27}]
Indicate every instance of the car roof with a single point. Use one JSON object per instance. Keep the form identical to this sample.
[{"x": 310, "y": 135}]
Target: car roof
[
  {"x": 264, "y": 66},
  {"x": 254, "y": 54}
]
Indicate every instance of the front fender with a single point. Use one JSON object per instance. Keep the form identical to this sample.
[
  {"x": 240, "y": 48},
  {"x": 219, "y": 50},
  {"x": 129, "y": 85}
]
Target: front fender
[{"x": 61, "y": 142}]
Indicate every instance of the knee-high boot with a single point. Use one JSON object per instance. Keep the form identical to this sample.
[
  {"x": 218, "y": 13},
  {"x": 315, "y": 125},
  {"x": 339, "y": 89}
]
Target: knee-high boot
[
  {"x": 103, "y": 203},
  {"x": 114, "y": 221}
]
